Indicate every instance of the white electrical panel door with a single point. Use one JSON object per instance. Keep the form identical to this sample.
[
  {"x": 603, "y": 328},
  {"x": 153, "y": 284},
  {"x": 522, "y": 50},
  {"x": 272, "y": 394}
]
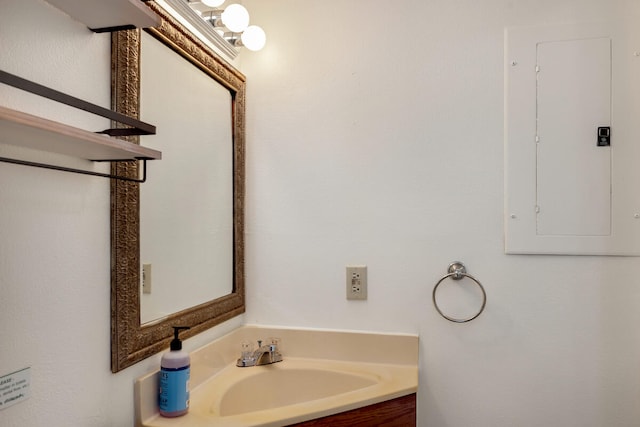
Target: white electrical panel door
[
  {"x": 573, "y": 172},
  {"x": 572, "y": 139}
]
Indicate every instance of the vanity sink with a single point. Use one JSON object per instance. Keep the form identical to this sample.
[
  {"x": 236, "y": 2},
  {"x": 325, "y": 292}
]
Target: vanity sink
[
  {"x": 294, "y": 390},
  {"x": 287, "y": 383},
  {"x": 322, "y": 373}
]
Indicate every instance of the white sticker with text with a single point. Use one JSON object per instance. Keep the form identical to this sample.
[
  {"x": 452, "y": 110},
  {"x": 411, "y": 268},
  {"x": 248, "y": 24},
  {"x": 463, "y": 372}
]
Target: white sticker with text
[{"x": 15, "y": 387}]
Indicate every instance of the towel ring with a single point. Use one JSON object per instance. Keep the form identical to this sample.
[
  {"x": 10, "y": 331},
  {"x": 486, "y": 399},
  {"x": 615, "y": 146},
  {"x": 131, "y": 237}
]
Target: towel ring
[{"x": 457, "y": 271}]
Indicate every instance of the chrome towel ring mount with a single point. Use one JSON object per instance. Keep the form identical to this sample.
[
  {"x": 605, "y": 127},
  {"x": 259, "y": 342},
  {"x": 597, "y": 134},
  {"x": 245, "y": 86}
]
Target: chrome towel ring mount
[{"x": 458, "y": 271}]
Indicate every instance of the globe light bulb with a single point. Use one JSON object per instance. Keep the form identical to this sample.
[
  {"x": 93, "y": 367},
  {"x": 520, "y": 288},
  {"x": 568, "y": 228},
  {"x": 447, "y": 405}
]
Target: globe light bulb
[
  {"x": 235, "y": 17},
  {"x": 253, "y": 38},
  {"x": 212, "y": 3}
]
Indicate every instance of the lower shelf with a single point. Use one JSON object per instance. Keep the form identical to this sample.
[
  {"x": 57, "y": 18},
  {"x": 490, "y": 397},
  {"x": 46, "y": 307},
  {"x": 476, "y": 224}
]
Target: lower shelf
[{"x": 35, "y": 132}]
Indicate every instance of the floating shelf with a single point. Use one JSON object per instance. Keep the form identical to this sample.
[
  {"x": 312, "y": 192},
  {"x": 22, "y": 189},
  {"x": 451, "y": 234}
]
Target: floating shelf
[
  {"x": 26, "y": 130},
  {"x": 35, "y": 132},
  {"x": 109, "y": 15}
]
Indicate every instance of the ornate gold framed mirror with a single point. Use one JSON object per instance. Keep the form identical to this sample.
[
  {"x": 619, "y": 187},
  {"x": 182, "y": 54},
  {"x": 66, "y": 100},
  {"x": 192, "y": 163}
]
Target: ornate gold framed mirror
[{"x": 131, "y": 339}]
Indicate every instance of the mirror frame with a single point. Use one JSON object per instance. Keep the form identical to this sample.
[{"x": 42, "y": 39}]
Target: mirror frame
[{"x": 132, "y": 341}]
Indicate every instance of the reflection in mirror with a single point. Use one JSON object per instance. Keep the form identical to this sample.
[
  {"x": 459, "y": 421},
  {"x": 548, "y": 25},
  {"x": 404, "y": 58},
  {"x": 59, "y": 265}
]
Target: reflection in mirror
[
  {"x": 194, "y": 256},
  {"x": 131, "y": 338}
]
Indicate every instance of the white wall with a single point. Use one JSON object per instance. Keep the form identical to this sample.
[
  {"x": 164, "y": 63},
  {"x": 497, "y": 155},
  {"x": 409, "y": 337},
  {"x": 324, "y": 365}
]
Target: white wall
[
  {"x": 364, "y": 146},
  {"x": 376, "y": 137},
  {"x": 54, "y": 239}
]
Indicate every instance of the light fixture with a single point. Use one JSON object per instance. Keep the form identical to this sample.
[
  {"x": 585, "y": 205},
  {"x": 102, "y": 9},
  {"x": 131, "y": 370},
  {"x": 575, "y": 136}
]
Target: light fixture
[
  {"x": 253, "y": 38},
  {"x": 235, "y": 17}
]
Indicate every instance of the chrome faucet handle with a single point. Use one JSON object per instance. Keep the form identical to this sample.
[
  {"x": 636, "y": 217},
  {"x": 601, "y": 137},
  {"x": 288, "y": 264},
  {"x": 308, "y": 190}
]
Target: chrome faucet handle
[
  {"x": 246, "y": 354},
  {"x": 275, "y": 343}
]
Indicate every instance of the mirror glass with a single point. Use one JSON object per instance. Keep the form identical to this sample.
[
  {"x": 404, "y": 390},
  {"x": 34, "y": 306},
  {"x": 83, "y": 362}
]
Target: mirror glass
[
  {"x": 187, "y": 220},
  {"x": 195, "y": 177}
]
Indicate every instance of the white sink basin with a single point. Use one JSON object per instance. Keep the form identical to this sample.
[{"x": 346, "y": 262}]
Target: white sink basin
[
  {"x": 285, "y": 383},
  {"x": 294, "y": 390}
]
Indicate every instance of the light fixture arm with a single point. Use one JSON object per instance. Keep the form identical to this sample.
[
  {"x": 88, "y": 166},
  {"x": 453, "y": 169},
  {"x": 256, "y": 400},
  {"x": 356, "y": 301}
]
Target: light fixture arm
[
  {"x": 214, "y": 17},
  {"x": 234, "y": 39}
]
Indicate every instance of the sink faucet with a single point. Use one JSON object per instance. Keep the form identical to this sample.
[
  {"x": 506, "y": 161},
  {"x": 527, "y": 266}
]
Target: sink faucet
[{"x": 263, "y": 355}]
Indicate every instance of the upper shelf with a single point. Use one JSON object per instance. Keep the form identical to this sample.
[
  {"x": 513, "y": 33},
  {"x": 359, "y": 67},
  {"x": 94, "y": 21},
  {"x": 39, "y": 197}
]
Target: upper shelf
[
  {"x": 18, "y": 128},
  {"x": 103, "y": 15}
]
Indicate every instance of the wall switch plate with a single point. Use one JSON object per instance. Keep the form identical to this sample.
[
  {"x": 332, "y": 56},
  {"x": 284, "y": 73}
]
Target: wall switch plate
[
  {"x": 146, "y": 278},
  {"x": 356, "y": 282}
]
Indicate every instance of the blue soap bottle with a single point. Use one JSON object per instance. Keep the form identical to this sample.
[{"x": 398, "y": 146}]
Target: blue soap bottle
[{"x": 174, "y": 378}]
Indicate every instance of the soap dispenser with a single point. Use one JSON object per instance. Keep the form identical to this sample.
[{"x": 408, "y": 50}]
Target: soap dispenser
[{"x": 174, "y": 378}]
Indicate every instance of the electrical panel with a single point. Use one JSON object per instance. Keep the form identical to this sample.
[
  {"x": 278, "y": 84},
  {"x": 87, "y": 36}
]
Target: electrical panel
[{"x": 570, "y": 141}]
